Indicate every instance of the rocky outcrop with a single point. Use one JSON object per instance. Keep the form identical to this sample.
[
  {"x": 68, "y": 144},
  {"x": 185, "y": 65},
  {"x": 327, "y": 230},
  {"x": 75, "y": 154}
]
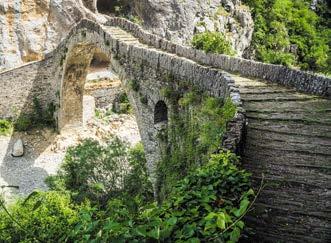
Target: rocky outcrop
[
  {"x": 31, "y": 28},
  {"x": 179, "y": 20}
]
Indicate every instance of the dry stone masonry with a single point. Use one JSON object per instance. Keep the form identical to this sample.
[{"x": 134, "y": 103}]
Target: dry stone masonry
[{"x": 143, "y": 62}]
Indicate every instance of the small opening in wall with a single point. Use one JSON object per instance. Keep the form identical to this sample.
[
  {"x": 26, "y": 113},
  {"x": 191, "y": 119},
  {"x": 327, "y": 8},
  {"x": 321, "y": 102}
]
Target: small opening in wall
[{"x": 160, "y": 112}]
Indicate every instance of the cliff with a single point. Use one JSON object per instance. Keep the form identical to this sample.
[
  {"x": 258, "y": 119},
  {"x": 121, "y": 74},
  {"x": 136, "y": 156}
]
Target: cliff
[{"x": 31, "y": 28}]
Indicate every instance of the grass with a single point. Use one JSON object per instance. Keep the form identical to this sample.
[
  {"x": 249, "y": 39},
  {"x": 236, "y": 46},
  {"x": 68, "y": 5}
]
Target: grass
[{"x": 6, "y": 127}]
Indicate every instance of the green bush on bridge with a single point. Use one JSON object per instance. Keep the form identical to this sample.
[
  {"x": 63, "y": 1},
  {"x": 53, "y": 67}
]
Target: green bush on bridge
[{"x": 212, "y": 42}]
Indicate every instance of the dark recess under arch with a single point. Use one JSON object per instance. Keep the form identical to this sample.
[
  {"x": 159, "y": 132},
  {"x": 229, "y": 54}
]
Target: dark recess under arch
[{"x": 113, "y": 7}]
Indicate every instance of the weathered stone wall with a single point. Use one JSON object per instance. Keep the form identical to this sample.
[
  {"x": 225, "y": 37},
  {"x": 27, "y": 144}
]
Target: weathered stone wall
[
  {"x": 104, "y": 96},
  {"x": 300, "y": 80},
  {"x": 20, "y": 86}
]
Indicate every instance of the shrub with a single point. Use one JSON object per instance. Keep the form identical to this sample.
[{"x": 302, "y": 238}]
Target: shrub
[
  {"x": 196, "y": 132},
  {"x": 134, "y": 84},
  {"x": 42, "y": 217},
  {"x": 212, "y": 42},
  {"x": 23, "y": 123},
  {"x": 96, "y": 172},
  {"x": 122, "y": 104},
  {"x": 136, "y": 182},
  {"x": 92, "y": 171},
  {"x": 289, "y": 32},
  {"x": 39, "y": 117},
  {"x": 6, "y": 127},
  {"x": 206, "y": 206},
  {"x": 143, "y": 99}
]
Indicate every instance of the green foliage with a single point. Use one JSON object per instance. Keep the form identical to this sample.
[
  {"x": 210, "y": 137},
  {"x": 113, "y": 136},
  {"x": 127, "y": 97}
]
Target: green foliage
[
  {"x": 136, "y": 182},
  {"x": 288, "y": 32},
  {"x": 104, "y": 114},
  {"x": 122, "y": 104},
  {"x": 134, "y": 84},
  {"x": 39, "y": 117},
  {"x": 92, "y": 171},
  {"x": 6, "y": 127},
  {"x": 42, "y": 217},
  {"x": 23, "y": 123},
  {"x": 143, "y": 99},
  {"x": 212, "y": 42},
  {"x": 214, "y": 196},
  {"x": 98, "y": 173},
  {"x": 205, "y": 206},
  {"x": 196, "y": 132}
]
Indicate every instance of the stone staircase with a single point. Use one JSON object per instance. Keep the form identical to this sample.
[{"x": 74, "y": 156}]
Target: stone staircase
[{"x": 288, "y": 139}]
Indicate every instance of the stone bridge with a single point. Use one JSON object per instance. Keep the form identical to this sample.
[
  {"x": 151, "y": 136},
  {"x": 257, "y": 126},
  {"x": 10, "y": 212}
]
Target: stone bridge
[{"x": 281, "y": 129}]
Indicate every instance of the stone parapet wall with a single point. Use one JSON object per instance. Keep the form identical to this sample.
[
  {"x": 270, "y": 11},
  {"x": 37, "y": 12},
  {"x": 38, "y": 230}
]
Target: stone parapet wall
[
  {"x": 300, "y": 80},
  {"x": 20, "y": 86}
]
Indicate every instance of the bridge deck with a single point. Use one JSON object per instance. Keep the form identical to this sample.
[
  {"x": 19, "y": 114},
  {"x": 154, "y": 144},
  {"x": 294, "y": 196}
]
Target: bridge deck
[{"x": 288, "y": 139}]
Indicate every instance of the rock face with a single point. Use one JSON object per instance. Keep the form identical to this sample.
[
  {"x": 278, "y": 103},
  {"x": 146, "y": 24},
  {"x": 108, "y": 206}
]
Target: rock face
[
  {"x": 18, "y": 148},
  {"x": 179, "y": 20},
  {"x": 31, "y": 28}
]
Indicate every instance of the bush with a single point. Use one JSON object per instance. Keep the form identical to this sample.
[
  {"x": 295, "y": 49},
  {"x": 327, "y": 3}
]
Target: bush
[
  {"x": 92, "y": 171},
  {"x": 23, "y": 123},
  {"x": 212, "y": 42},
  {"x": 289, "y": 32},
  {"x": 6, "y": 127},
  {"x": 206, "y": 206},
  {"x": 98, "y": 173},
  {"x": 42, "y": 217},
  {"x": 195, "y": 133},
  {"x": 39, "y": 117},
  {"x": 121, "y": 104},
  {"x": 134, "y": 84}
]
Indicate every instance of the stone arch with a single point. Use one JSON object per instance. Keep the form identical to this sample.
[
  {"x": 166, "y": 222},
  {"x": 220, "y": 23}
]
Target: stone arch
[
  {"x": 160, "y": 112},
  {"x": 74, "y": 60}
]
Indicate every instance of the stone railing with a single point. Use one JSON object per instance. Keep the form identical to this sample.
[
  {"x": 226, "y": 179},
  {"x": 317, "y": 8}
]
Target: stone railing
[{"x": 300, "y": 80}]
